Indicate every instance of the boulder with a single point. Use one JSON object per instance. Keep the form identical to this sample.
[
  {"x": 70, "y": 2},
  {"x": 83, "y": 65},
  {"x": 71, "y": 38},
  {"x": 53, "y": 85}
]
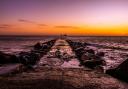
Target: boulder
[
  {"x": 27, "y": 58},
  {"x": 101, "y": 54},
  {"x": 93, "y": 63},
  {"x": 45, "y": 47},
  {"x": 88, "y": 56},
  {"x": 90, "y": 51},
  {"x": 85, "y": 57},
  {"x": 91, "y": 60},
  {"x": 24, "y": 56},
  {"x": 79, "y": 52},
  {"x": 8, "y": 58},
  {"x": 37, "y": 46},
  {"x": 58, "y": 53},
  {"x": 33, "y": 58},
  {"x": 120, "y": 72}
]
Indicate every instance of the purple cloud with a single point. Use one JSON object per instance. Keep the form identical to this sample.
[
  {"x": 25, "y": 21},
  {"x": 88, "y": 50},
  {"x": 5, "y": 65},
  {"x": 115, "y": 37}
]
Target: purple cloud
[
  {"x": 26, "y": 21},
  {"x": 5, "y": 26},
  {"x": 32, "y": 22},
  {"x": 73, "y": 27}
]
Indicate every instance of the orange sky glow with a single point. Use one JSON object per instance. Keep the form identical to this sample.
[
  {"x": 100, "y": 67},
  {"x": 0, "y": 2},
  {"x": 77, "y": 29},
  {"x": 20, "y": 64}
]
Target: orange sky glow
[{"x": 72, "y": 17}]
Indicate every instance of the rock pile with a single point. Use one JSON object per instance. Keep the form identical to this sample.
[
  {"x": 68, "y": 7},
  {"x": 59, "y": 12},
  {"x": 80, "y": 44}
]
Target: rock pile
[
  {"x": 87, "y": 57},
  {"x": 28, "y": 58}
]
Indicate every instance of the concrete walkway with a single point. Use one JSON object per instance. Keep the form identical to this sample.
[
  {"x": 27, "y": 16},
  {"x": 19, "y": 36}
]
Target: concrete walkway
[{"x": 60, "y": 55}]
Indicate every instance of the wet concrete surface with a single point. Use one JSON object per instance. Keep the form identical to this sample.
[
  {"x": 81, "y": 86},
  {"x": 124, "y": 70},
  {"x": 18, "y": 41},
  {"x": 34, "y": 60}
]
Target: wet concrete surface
[
  {"x": 61, "y": 78},
  {"x": 60, "y": 55}
]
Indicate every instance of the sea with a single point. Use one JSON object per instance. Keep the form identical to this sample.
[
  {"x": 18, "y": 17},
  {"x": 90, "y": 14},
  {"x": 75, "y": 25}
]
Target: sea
[{"x": 17, "y": 44}]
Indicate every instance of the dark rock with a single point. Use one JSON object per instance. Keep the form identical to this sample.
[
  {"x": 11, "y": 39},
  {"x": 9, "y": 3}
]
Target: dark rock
[
  {"x": 120, "y": 72},
  {"x": 85, "y": 57},
  {"x": 34, "y": 57},
  {"x": 58, "y": 53},
  {"x": 8, "y": 58},
  {"x": 14, "y": 59},
  {"x": 91, "y": 60},
  {"x": 85, "y": 44},
  {"x": 45, "y": 46},
  {"x": 90, "y": 51},
  {"x": 101, "y": 54},
  {"x": 93, "y": 63},
  {"x": 27, "y": 58},
  {"x": 24, "y": 56},
  {"x": 37, "y": 46},
  {"x": 79, "y": 52}
]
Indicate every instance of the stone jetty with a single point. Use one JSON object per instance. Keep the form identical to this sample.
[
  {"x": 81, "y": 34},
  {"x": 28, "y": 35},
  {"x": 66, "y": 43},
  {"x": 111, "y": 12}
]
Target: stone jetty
[
  {"x": 60, "y": 55},
  {"x": 61, "y": 65}
]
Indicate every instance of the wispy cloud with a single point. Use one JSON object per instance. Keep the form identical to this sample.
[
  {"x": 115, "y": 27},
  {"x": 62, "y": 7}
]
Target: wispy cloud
[
  {"x": 5, "y": 26},
  {"x": 72, "y": 27},
  {"x": 32, "y": 22},
  {"x": 42, "y": 24},
  {"x": 26, "y": 21}
]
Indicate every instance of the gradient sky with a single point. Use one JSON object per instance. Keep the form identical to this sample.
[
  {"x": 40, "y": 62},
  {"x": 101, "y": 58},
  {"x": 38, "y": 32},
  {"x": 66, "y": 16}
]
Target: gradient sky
[{"x": 73, "y": 17}]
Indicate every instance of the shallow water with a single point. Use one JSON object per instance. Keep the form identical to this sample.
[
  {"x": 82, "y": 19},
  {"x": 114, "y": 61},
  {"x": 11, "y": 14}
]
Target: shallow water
[
  {"x": 112, "y": 57},
  {"x": 15, "y": 45}
]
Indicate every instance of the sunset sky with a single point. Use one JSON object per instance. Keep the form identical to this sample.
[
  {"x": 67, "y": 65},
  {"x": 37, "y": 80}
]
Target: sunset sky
[{"x": 71, "y": 17}]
